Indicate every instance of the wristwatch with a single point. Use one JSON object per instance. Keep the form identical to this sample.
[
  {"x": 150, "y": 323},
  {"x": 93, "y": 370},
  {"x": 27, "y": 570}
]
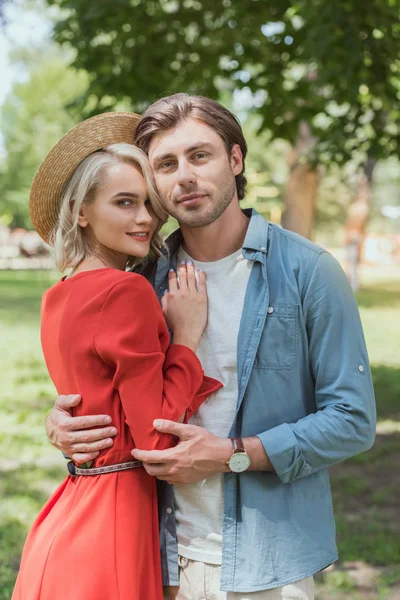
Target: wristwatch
[{"x": 240, "y": 460}]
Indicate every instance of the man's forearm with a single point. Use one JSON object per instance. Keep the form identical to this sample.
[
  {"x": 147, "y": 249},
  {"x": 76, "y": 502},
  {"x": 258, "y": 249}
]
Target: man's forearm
[
  {"x": 255, "y": 450},
  {"x": 258, "y": 457}
]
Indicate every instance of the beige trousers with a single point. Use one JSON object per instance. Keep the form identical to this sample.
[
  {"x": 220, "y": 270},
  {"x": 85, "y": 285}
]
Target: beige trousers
[{"x": 200, "y": 581}]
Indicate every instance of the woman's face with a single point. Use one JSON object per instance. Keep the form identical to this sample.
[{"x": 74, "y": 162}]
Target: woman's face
[{"x": 120, "y": 221}]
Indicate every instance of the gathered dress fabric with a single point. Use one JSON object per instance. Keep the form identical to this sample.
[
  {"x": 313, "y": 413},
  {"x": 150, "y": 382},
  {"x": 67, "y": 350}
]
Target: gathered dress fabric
[{"x": 104, "y": 336}]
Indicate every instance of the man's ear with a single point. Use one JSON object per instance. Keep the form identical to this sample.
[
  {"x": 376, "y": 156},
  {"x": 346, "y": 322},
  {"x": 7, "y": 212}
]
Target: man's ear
[
  {"x": 236, "y": 160},
  {"x": 82, "y": 219}
]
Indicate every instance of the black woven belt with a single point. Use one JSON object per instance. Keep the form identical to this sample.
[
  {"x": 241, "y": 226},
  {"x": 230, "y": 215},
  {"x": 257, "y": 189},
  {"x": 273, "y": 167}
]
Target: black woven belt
[{"x": 74, "y": 470}]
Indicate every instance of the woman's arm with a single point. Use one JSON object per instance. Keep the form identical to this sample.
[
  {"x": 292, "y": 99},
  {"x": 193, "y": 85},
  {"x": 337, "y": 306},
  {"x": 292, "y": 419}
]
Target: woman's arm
[{"x": 131, "y": 338}]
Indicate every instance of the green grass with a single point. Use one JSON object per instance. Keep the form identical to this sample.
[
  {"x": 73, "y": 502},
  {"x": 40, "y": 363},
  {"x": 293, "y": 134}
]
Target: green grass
[
  {"x": 365, "y": 488},
  {"x": 30, "y": 468}
]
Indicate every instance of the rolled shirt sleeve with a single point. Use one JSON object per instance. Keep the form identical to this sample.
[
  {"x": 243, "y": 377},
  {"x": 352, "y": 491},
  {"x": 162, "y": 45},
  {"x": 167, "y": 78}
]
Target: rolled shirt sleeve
[{"x": 345, "y": 418}]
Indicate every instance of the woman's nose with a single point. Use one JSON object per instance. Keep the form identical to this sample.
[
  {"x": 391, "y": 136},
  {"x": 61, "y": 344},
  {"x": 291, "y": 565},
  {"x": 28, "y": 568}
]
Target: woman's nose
[{"x": 144, "y": 216}]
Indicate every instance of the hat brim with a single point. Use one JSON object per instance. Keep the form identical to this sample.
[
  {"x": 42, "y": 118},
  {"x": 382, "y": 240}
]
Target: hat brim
[{"x": 61, "y": 162}]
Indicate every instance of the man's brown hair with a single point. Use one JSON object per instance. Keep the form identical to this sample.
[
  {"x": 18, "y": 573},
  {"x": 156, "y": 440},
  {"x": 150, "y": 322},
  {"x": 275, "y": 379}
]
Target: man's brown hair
[{"x": 168, "y": 112}]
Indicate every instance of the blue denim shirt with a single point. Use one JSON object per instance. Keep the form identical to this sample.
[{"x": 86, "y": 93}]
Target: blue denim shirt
[{"x": 305, "y": 390}]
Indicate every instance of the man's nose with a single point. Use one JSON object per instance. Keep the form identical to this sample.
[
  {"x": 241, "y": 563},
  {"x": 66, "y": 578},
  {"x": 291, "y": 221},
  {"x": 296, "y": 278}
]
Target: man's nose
[{"x": 186, "y": 173}]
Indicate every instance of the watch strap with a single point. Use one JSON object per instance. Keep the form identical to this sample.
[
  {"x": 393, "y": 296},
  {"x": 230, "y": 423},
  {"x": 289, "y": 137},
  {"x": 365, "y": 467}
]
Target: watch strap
[{"x": 237, "y": 445}]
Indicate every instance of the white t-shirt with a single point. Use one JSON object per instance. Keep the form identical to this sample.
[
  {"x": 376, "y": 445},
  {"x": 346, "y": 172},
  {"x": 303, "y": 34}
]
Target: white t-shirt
[{"x": 199, "y": 506}]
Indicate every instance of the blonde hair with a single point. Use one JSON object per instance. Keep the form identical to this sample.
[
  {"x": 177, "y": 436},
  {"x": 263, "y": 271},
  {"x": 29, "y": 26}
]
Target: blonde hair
[{"x": 70, "y": 244}]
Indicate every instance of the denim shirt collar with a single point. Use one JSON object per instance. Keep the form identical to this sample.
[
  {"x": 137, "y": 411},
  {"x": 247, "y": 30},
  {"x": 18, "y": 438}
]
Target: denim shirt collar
[{"x": 255, "y": 242}]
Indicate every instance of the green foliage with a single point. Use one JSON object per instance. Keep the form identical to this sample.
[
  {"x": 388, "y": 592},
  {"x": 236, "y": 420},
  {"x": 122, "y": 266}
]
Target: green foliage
[
  {"x": 34, "y": 116},
  {"x": 334, "y": 65}
]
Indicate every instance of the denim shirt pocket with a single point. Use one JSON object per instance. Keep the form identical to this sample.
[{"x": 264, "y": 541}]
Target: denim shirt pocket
[{"x": 278, "y": 346}]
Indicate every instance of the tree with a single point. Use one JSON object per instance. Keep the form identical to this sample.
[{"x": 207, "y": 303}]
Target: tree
[
  {"x": 326, "y": 68},
  {"x": 34, "y": 117}
]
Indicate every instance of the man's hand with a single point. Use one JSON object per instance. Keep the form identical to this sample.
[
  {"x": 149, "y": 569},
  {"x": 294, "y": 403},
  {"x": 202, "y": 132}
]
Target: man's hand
[
  {"x": 199, "y": 454},
  {"x": 75, "y": 436}
]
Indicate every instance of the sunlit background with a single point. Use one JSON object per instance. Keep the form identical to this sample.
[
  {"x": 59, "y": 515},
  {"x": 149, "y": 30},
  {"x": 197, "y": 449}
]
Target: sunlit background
[{"x": 316, "y": 87}]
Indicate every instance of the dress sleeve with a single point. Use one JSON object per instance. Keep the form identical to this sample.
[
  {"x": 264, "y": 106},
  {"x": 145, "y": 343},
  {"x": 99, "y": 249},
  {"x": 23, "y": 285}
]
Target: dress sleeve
[{"x": 154, "y": 380}]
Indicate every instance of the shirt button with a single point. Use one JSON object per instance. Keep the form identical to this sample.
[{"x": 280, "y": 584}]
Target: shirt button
[
  {"x": 169, "y": 511},
  {"x": 262, "y": 248},
  {"x": 270, "y": 309},
  {"x": 361, "y": 368}
]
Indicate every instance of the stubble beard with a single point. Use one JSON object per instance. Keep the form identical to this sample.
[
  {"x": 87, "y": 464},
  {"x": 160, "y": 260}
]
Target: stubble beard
[{"x": 197, "y": 216}]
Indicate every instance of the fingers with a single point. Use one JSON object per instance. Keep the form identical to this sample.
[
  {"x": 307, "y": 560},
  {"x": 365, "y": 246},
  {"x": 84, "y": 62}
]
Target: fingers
[
  {"x": 201, "y": 281},
  {"x": 159, "y": 471},
  {"x": 172, "y": 281},
  {"x": 79, "y": 423},
  {"x": 66, "y": 402},
  {"x": 79, "y": 459},
  {"x": 180, "y": 429},
  {"x": 70, "y": 442},
  {"x": 191, "y": 276},
  {"x": 183, "y": 282},
  {"x": 150, "y": 457},
  {"x": 88, "y": 437},
  {"x": 89, "y": 447}
]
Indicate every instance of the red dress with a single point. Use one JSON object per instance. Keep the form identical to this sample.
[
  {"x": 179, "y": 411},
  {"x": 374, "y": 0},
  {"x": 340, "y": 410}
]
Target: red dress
[{"x": 104, "y": 336}]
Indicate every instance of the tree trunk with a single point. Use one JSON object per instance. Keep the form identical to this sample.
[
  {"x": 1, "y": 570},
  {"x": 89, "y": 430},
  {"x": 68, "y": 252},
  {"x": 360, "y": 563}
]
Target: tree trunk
[
  {"x": 356, "y": 222},
  {"x": 301, "y": 191}
]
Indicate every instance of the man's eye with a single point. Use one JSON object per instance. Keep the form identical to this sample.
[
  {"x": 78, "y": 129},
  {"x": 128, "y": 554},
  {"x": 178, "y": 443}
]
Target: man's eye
[
  {"x": 200, "y": 155},
  {"x": 166, "y": 164}
]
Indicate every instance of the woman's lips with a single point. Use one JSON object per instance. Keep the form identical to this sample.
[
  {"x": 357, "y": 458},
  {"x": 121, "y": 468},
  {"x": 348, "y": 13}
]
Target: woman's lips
[{"x": 140, "y": 236}]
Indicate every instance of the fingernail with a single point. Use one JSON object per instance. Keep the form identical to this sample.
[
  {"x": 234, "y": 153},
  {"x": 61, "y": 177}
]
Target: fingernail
[
  {"x": 157, "y": 423},
  {"x": 165, "y": 292},
  {"x": 190, "y": 263},
  {"x": 182, "y": 262},
  {"x": 172, "y": 271},
  {"x": 107, "y": 420},
  {"x": 200, "y": 270},
  {"x": 113, "y": 431}
]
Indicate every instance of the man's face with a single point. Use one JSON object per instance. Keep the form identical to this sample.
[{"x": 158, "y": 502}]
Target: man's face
[{"x": 194, "y": 174}]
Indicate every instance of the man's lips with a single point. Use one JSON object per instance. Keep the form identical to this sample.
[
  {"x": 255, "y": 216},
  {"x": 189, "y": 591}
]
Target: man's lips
[{"x": 191, "y": 198}]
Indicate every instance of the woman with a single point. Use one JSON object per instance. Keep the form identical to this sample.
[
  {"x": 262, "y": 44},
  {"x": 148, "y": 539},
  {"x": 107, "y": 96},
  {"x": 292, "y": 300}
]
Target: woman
[{"x": 104, "y": 333}]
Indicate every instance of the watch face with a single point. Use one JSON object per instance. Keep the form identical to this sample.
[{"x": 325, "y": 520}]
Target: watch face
[{"x": 239, "y": 462}]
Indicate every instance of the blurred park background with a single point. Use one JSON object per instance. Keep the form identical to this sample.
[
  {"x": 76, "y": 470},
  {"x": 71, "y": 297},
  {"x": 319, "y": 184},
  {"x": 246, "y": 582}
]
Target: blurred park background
[{"x": 316, "y": 87}]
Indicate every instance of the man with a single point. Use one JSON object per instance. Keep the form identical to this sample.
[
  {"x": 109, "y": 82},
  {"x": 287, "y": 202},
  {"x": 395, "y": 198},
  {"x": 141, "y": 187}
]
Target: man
[{"x": 250, "y": 472}]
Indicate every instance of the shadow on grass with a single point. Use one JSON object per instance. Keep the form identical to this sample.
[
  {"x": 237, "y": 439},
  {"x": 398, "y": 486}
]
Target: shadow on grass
[
  {"x": 365, "y": 495},
  {"x": 366, "y": 487}
]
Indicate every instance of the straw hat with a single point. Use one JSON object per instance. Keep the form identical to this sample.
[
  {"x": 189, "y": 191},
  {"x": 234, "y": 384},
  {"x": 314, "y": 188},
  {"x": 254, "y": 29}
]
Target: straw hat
[{"x": 62, "y": 160}]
